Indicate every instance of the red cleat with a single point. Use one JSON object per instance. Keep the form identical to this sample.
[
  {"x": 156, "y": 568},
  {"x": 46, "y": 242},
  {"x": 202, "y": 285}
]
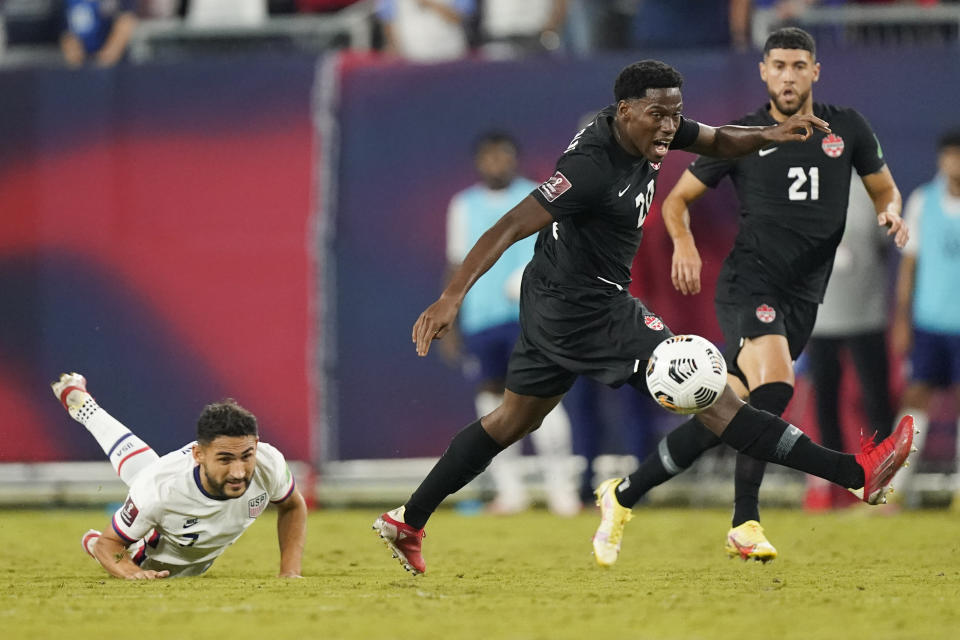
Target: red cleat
[
  {"x": 881, "y": 461},
  {"x": 403, "y": 540}
]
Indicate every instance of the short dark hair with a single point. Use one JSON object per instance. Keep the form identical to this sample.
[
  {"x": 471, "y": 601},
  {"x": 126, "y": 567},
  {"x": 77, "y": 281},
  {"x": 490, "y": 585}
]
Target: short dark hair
[
  {"x": 225, "y": 418},
  {"x": 790, "y": 38},
  {"x": 495, "y": 136},
  {"x": 634, "y": 80},
  {"x": 949, "y": 138}
]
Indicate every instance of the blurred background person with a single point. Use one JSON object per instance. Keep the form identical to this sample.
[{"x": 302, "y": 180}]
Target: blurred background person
[
  {"x": 425, "y": 30},
  {"x": 489, "y": 326},
  {"x": 927, "y": 316},
  {"x": 219, "y": 13},
  {"x": 96, "y": 31},
  {"x": 852, "y": 319},
  {"x": 513, "y": 29}
]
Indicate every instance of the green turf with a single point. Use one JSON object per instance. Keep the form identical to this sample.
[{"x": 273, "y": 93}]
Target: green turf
[{"x": 532, "y": 576}]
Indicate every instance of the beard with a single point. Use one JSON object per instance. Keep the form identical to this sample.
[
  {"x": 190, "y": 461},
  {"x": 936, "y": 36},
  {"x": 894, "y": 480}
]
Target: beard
[
  {"x": 219, "y": 487},
  {"x": 790, "y": 110}
]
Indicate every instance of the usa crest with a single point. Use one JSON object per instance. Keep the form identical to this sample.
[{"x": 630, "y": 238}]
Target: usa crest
[
  {"x": 554, "y": 186},
  {"x": 257, "y": 505},
  {"x": 653, "y": 322},
  {"x": 766, "y": 313},
  {"x": 832, "y": 145}
]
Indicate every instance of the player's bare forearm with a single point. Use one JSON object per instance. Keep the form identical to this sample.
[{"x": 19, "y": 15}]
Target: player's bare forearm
[
  {"x": 686, "y": 264},
  {"x": 901, "y": 332},
  {"x": 72, "y": 49},
  {"x": 111, "y": 553},
  {"x": 731, "y": 141},
  {"x": 888, "y": 204},
  {"x": 291, "y": 533},
  {"x": 116, "y": 44},
  {"x": 523, "y": 220}
]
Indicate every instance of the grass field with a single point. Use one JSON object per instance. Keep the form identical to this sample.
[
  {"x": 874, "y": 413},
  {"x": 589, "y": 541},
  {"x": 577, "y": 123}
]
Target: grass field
[{"x": 850, "y": 575}]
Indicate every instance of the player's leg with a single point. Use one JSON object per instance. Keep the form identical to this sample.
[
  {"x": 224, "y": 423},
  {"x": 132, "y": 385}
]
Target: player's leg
[
  {"x": 869, "y": 353},
  {"x": 929, "y": 369},
  {"x": 506, "y": 469},
  {"x": 127, "y": 453},
  {"x": 552, "y": 443},
  {"x": 765, "y": 436},
  {"x": 765, "y": 363},
  {"x": 468, "y": 454},
  {"x": 825, "y": 375}
]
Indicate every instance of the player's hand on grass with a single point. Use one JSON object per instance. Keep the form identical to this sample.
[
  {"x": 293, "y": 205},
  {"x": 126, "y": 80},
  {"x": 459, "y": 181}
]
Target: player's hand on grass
[
  {"x": 796, "y": 128},
  {"x": 895, "y": 225},
  {"x": 148, "y": 575},
  {"x": 434, "y": 323},
  {"x": 685, "y": 267}
]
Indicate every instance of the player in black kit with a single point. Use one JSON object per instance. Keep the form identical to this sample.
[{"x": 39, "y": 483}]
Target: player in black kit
[
  {"x": 577, "y": 316},
  {"x": 793, "y": 206}
]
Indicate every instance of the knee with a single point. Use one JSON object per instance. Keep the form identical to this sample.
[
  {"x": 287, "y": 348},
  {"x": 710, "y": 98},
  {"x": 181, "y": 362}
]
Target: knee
[
  {"x": 506, "y": 426},
  {"x": 720, "y": 413}
]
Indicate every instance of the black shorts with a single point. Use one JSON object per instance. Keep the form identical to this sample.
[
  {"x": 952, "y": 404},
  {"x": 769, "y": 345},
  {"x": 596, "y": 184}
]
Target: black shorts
[
  {"x": 599, "y": 332},
  {"x": 750, "y": 312}
]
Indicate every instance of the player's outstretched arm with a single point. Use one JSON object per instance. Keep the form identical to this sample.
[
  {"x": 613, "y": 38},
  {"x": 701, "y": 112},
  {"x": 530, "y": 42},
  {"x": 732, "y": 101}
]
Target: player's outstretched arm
[
  {"x": 901, "y": 333},
  {"x": 686, "y": 264},
  {"x": 111, "y": 552},
  {"x": 888, "y": 203},
  {"x": 730, "y": 141},
  {"x": 291, "y": 533},
  {"x": 523, "y": 220}
]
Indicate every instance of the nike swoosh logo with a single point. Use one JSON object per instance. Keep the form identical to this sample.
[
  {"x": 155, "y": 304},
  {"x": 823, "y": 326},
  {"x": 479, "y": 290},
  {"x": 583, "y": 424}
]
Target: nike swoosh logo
[
  {"x": 766, "y": 152},
  {"x": 620, "y": 195}
]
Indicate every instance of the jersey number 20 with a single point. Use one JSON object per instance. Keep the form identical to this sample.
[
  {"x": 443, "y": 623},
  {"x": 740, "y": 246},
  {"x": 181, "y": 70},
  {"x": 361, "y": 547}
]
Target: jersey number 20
[
  {"x": 644, "y": 200},
  {"x": 799, "y": 176}
]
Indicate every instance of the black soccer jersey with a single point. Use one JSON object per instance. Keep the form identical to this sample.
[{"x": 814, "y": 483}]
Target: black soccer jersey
[
  {"x": 599, "y": 197},
  {"x": 793, "y": 200}
]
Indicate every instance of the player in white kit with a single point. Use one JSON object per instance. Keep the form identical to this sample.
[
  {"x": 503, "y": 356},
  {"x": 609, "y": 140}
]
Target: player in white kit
[{"x": 185, "y": 508}]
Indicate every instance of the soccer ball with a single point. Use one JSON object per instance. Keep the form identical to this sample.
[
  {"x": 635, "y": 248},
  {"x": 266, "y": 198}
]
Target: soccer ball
[{"x": 686, "y": 374}]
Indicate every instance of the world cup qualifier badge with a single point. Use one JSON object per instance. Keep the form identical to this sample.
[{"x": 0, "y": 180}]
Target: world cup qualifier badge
[
  {"x": 653, "y": 322},
  {"x": 766, "y": 313},
  {"x": 832, "y": 145}
]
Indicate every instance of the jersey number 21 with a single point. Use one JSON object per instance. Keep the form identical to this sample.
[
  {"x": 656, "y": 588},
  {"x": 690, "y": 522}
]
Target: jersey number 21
[{"x": 798, "y": 189}]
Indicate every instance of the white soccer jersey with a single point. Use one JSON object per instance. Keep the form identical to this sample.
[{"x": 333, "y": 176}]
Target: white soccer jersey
[{"x": 184, "y": 527}]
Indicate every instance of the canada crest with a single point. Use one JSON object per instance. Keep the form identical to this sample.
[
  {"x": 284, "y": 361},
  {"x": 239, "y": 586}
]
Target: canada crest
[
  {"x": 766, "y": 313},
  {"x": 832, "y": 145},
  {"x": 653, "y": 322}
]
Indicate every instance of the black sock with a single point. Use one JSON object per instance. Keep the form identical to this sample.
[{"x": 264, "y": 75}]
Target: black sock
[
  {"x": 766, "y": 437},
  {"x": 468, "y": 455},
  {"x": 675, "y": 453},
  {"x": 772, "y": 397}
]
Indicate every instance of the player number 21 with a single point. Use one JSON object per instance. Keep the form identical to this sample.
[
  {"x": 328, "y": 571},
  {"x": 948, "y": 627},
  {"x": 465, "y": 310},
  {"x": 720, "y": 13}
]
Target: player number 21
[{"x": 799, "y": 176}]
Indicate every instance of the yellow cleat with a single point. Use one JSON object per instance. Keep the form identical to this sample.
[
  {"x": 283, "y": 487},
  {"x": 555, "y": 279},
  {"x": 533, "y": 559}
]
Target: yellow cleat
[
  {"x": 613, "y": 517},
  {"x": 748, "y": 543}
]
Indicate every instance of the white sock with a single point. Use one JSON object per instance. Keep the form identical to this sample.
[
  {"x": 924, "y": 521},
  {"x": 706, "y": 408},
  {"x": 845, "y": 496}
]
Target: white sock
[
  {"x": 127, "y": 453},
  {"x": 506, "y": 469},
  {"x": 903, "y": 482},
  {"x": 552, "y": 444}
]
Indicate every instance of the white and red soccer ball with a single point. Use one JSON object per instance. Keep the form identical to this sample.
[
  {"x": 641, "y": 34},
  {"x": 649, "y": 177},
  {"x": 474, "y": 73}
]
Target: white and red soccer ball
[{"x": 686, "y": 374}]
